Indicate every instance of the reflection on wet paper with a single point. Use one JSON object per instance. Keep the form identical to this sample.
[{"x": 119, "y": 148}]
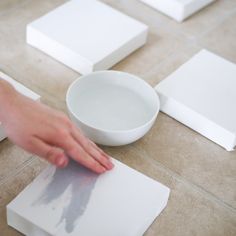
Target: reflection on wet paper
[{"x": 81, "y": 181}]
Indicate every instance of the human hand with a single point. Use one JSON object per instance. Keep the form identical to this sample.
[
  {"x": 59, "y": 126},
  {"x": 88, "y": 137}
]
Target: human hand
[{"x": 48, "y": 133}]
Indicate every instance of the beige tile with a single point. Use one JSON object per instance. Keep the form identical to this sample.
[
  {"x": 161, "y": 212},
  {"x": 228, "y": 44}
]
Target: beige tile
[
  {"x": 12, "y": 187},
  {"x": 140, "y": 11},
  {"x": 167, "y": 37},
  {"x": 5, "y": 197},
  {"x": 55, "y": 99},
  {"x": 11, "y": 159},
  {"x": 53, "y": 102},
  {"x": 44, "y": 76},
  {"x": 161, "y": 42},
  {"x": 186, "y": 152},
  {"x": 229, "y": 6},
  {"x": 191, "y": 28},
  {"x": 27, "y": 65},
  {"x": 26, "y": 12},
  {"x": 17, "y": 183},
  {"x": 158, "y": 48},
  {"x": 200, "y": 174},
  {"x": 37, "y": 82},
  {"x": 186, "y": 207},
  {"x": 130, "y": 156},
  {"x": 189, "y": 211},
  {"x": 221, "y": 40},
  {"x": 204, "y": 20},
  {"x": 170, "y": 64},
  {"x": 192, "y": 156},
  {"x": 35, "y": 68},
  {"x": 7, "y": 5}
]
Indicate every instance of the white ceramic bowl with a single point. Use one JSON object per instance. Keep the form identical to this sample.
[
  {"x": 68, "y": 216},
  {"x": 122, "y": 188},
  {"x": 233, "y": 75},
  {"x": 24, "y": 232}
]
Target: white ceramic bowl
[{"x": 112, "y": 108}]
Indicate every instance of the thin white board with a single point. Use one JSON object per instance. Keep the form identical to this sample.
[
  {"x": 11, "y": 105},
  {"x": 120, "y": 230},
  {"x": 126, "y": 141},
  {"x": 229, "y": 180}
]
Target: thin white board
[
  {"x": 86, "y": 35},
  {"x": 202, "y": 94},
  {"x": 75, "y": 201},
  {"x": 178, "y": 9}
]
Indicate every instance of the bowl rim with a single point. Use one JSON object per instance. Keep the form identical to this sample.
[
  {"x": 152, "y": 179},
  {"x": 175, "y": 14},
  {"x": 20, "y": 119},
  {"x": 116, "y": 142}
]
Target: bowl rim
[{"x": 110, "y": 130}]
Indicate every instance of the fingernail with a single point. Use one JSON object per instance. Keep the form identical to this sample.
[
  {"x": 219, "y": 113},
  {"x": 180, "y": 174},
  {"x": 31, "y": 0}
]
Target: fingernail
[
  {"x": 110, "y": 165},
  {"x": 61, "y": 162}
]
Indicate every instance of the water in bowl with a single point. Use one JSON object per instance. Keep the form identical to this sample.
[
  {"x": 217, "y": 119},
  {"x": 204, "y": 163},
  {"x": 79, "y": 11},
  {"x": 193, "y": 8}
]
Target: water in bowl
[{"x": 112, "y": 107}]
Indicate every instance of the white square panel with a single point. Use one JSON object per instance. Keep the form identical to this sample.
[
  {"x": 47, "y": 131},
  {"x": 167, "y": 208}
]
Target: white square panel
[
  {"x": 202, "y": 95},
  {"x": 86, "y": 35},
  {"x": 75, "y": 201},
  {"x": 178, "y": 9}
]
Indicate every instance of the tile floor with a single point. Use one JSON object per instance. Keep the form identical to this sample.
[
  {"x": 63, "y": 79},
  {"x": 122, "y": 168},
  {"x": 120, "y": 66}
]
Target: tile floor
[{"x": 201, "y": 175}]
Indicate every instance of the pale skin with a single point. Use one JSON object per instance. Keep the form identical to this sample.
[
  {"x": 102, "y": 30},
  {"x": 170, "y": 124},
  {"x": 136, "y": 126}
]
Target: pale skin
[{"x": 47, "y": 133}]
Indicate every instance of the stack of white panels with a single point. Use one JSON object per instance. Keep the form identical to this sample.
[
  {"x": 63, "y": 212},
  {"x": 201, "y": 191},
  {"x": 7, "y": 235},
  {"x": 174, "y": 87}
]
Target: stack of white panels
[
  {"x": 178, "y": 9},
  {"x": 20, "y": 88},
  {"x": 202, "y": 95},
  {"x": 74, "y": 201},
  {"x": 87, "y": 35}
]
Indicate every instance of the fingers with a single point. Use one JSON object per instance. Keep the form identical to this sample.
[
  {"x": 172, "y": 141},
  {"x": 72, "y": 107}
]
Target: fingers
[
  {"x": 85, "y": 159},
  {"x": 99, "y": 149},
  {"x": 68, "y": 137},
  {"x": 73, "y": 149},
  {"x": 99, "y": 155},
  {"x": 54, "y": 155},
  {"x": 92, "y": 149}
]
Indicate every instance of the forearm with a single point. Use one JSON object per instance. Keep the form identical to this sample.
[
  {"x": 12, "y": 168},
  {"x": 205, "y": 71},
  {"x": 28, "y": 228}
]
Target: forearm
[
  {"x": 7, "y": 95},
  {"x": 42, "y": 131}
]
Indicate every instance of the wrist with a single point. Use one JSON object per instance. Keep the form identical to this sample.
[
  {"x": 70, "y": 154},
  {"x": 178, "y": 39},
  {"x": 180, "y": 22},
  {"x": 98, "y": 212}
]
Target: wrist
[{"x": 7, "y": 94}]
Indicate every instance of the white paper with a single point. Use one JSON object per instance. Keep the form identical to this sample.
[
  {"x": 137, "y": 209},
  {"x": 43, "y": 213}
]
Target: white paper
[
  {"x": 86, "y": 35},
  {"x": 201, "y": 94},
  {"x": 75, "y": 201},
  {"x": 178, "y": 9}
]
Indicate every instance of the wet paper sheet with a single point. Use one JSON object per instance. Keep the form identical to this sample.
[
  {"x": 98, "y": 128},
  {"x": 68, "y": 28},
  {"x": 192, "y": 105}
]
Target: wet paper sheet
[{"x": 75, "y": 201}]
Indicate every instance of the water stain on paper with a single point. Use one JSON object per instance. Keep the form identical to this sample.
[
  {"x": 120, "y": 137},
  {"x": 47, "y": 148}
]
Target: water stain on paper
[{"x": 81, "y": 180}]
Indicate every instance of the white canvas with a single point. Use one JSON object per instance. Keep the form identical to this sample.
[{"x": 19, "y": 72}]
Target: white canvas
[
  {"x": 178, "y": 9},
  {"x": 86, "y": 35},
  {"x": 202, "y": 94},
  {"x": 20, "y": 88},
  {"x": 75, "y": 201}
]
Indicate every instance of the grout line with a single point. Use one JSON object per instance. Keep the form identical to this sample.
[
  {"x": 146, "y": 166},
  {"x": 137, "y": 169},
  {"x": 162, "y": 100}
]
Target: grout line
[
  {"x": 210, "y": 196},
  {"x": 10, "y": 71},
  {"x": 191, "y": 38},
  {"x": 159, "y": 166},
  {"x": 191, "y": 41},
  {"x": 18, "y": 170},
  {"x": 172, "y": 55},
  {"x": 220, "y": 22},
  {"x": 154, "y": 69}
]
